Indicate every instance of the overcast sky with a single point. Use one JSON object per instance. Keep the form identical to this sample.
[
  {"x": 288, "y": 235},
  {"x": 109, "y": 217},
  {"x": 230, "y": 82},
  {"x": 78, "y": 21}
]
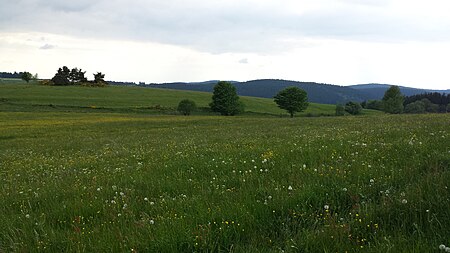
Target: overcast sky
[{"x": 344, "y": 42}]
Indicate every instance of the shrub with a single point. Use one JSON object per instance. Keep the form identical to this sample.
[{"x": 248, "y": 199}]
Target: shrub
[
  {"x": 415, "y": 107},
  {"x": 340, "y": 110},
  {"x": 374, "y": 105},
  {"x": 186, "y": 107},
  {"x": 354, "y": 108}
]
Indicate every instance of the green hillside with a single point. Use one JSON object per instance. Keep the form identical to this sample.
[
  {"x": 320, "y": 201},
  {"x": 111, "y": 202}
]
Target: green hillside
[{"x": 18, "y": 96}]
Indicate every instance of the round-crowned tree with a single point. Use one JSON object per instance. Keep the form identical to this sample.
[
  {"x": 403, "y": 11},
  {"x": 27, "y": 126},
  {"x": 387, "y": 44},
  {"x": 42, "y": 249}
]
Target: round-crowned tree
[
  {"x": 292, "y": 99},
  {"x": 186, "y": 107},
  {"x": 225, "y": 99}
]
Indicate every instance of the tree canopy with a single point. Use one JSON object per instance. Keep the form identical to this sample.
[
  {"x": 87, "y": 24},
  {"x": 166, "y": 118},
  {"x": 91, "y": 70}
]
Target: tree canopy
[
  {"x": 26, "y": 76},
  {"x": 186, "y": 107},
  {"x": 292, "y": 99},
  {"x": 225, "y": 99},
  {"x": 393, "y": 100}
]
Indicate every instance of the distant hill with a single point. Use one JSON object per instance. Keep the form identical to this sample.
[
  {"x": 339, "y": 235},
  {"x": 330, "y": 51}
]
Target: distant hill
[
  {"x": 317, "y": 92},
  {"x": 268, "y": 88},
  {"x": 376, "y": 91}
]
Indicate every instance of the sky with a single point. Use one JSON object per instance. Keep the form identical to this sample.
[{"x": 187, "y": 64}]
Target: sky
[{"x": 342, "y": 42}]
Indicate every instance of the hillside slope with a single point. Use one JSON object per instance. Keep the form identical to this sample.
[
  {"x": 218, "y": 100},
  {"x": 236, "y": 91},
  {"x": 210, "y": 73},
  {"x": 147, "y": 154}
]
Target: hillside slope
[{"x": 19, "y": 97}]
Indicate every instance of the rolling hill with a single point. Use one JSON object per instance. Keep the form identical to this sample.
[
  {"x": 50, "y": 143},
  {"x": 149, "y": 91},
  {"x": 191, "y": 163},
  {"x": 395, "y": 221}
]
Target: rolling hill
[
  {"x": 317, "y": 92},
  {"x": 17, "y": 96}
]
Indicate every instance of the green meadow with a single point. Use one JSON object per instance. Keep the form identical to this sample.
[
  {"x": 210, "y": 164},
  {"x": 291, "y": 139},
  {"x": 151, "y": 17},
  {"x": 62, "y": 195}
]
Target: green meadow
[
  {"x": 19, "y": 96},
  {"x": 117, "y": 170}
]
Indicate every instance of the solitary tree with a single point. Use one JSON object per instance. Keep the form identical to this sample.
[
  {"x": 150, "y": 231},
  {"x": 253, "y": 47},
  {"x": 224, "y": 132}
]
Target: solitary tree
[
  {"x": 225, "y": 99},
  {"x": 292, "y": 99},
  {"x": 26, "y": 76},
  {"x": 393, "y": 100},
  {"x": 186, "y": 106}
]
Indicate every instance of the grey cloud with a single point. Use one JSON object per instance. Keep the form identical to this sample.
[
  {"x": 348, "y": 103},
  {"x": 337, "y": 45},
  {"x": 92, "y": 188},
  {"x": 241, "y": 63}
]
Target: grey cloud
[
  {"x": 47, "y": 46},
  {"x": 216, "y": 28},
  {"x": 243, "y": 61}
]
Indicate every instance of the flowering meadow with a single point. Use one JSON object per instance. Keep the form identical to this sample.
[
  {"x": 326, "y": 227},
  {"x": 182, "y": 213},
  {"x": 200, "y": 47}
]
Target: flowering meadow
[{"x": 110, "y": 182}]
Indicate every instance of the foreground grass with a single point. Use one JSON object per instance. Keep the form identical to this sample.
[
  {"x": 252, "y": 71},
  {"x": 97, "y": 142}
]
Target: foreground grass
[{"x": 119, "y": 182}]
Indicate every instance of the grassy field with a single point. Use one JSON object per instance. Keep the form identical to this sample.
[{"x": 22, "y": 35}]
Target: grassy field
[
  {"x": 14, "y": 97},
  {"x": 135, "y": 182}
]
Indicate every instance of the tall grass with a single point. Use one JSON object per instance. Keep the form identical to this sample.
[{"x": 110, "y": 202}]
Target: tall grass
[{"x": 136, "y": 183}]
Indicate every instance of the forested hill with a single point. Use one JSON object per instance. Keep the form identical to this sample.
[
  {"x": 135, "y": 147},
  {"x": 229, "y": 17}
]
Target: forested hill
[
  {"x": 317, "y": 92},
  {"x": 377, "y": 90},
  {"x": 268, "y": 88}
]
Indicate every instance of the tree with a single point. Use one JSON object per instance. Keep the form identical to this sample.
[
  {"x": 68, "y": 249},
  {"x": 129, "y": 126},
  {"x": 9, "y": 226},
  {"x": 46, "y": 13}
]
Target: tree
[
  {"x": 292, "y": 99},
  {"x": 393, "y": 100},
  {"x": 77, "y": 75},
  {"x": 340, "y": 110},
  {"x": 26, "y": 76},
  {"x": 415, "y": 107},
  {"x": 62, "y": 77},
  {"x": 448, "y": 108},
  {"x": 99, "y": 77},
  {"x": 354, "y": 108},
  {"x": 186, "y": 106},
  {"x": 225, "y": 99}
]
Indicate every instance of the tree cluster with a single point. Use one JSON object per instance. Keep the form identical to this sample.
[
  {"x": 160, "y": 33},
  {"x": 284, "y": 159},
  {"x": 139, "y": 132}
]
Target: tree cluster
[
  {"x": 427, "y": 102},
  {"x": 65, "y": 76},
  {"x": 11, "y": 75}
]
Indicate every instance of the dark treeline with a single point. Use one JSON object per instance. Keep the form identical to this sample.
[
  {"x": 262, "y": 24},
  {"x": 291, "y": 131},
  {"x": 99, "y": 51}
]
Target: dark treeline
[
  {"x": 10, "y": 75},
  {"x": 435, "y": 98}
]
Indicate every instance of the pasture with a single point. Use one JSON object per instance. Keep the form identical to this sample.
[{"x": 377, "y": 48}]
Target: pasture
[
  {"x": 91, "y": 182},
  {"x": 76, "y": 178}
]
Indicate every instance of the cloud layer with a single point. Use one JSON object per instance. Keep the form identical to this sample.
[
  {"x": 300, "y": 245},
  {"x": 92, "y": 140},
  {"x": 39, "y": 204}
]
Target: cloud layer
[
  {"x": 404, "y": 42},
  {"x": 220, "y": 26}
]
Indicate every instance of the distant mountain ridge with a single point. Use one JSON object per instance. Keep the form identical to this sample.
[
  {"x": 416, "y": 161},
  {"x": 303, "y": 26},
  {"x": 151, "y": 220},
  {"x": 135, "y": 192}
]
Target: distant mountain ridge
[{"x": 317, "y": 92}]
